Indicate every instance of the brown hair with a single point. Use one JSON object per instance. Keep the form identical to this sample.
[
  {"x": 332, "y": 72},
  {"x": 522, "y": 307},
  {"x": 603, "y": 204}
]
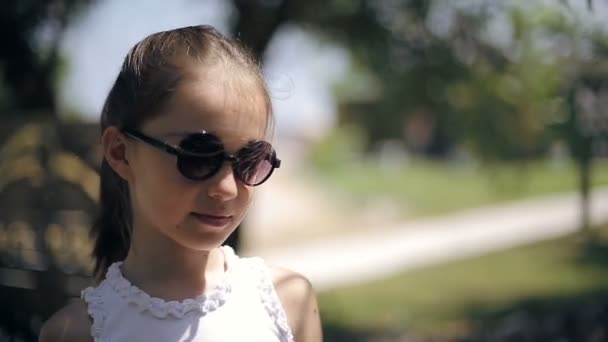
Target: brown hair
[{"x": 149, "y": 74}]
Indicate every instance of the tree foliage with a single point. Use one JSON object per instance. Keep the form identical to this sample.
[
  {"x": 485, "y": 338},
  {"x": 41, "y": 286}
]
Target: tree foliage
[{"x": 30, "y": 57}]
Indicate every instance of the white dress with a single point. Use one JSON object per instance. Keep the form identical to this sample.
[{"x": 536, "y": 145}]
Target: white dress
[{"x": 244, "y": 307}]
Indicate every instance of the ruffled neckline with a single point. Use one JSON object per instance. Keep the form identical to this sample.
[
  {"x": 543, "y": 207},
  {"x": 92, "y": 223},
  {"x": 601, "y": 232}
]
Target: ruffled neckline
[{"x": 160, "y": 308}]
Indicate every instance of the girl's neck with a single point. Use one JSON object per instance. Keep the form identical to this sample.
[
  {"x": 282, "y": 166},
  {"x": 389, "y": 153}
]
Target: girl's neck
[{"x": 163, "y": 268}]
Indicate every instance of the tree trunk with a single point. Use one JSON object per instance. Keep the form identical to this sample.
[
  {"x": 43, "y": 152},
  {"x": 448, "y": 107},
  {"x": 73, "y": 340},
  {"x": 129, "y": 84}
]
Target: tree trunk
[
  {"x": 258, "y": 21},
  {"x": 585, "y": 196},
  {"x": 256, "y": 25}
]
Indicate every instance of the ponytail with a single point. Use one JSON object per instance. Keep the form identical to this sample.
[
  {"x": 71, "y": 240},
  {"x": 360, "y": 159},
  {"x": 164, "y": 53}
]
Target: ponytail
[{"x": 112, "y": 229}]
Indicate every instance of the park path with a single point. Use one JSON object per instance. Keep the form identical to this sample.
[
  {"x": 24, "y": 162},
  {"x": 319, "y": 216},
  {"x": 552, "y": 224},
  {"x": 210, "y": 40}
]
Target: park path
[{"x": 358, "y": 257}]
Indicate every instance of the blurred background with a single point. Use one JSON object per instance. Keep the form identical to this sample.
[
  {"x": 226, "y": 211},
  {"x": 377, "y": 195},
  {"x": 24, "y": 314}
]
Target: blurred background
[{"x": 445, "y": 162}]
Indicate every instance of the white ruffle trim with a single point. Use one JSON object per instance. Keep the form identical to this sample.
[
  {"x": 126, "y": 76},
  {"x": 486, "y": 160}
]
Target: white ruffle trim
[
  {"x": 160, "y": 308},
  {"x": 271, "y": 300},
  {"x": 95, "y": 310}
]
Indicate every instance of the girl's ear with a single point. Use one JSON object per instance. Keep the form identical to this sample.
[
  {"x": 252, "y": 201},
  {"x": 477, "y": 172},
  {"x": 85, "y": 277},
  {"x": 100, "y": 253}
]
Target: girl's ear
[{"x": 115, "y": 152}]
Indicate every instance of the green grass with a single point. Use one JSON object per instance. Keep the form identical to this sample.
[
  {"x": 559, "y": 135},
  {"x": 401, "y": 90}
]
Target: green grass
[
  {"x": 447, "y": 295},
  {"x": 423, "y": 187}
]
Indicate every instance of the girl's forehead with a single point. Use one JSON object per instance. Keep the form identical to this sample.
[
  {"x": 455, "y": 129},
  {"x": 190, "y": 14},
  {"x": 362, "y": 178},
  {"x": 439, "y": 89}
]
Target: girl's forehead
[
  {"x": 234, "y": 139},
  {"x": 231, "y": 107}
]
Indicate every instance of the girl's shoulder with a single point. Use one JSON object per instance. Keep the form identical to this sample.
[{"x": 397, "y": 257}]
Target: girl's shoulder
[
  {"x": 71, "y": 323},
  {"x": 299, "y": 301},
  {"x": 294, "y": 293},
  {"x": 292, "y": 287}
]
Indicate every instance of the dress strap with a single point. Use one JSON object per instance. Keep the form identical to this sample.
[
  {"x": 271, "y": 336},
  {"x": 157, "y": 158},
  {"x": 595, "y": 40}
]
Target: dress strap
[
  {"x": 96, "y": 310},
  {"x": 270, "y": 299}
]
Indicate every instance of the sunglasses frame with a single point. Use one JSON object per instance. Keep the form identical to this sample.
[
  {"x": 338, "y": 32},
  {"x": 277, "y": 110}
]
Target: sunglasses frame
[{"x": 179, "y": 152}]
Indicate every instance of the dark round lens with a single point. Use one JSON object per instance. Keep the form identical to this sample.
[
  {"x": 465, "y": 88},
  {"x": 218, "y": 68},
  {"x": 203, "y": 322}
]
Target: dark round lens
[
  {"x": 202, "y": 158},
  {"x": 201, "y": 143},
  {"x": 198, "y": 168},
  {"x": 255, "y": 163}
]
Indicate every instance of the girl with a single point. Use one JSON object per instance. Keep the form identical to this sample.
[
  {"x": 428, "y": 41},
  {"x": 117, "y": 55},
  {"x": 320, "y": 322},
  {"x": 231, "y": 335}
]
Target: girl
[{"x": 183, "y": 132}]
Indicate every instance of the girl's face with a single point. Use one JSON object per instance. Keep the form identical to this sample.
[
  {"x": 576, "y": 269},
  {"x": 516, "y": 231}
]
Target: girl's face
[{"x": 197, "y": 214}]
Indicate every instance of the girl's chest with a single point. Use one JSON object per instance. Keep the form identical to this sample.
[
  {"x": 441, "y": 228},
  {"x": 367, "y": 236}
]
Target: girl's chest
[{"x": 240, "y": 319}]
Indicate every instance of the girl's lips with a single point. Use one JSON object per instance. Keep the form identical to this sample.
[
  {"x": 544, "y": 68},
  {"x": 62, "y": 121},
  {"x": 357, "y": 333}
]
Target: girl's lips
[{"x": 213, "y": 220}]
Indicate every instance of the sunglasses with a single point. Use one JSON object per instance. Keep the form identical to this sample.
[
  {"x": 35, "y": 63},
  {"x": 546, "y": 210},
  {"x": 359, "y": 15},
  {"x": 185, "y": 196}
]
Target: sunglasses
[{"x": 201, "y": 155}]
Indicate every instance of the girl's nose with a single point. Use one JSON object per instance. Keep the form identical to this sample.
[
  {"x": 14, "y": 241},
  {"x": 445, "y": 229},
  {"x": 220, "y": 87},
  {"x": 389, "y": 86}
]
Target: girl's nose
[{"x": 223, "y": 185}]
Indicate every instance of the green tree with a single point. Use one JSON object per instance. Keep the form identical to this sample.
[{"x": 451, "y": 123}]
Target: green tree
[
  {"x": 497, "y": 100},
  {"x": 30, "y": 57}
]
